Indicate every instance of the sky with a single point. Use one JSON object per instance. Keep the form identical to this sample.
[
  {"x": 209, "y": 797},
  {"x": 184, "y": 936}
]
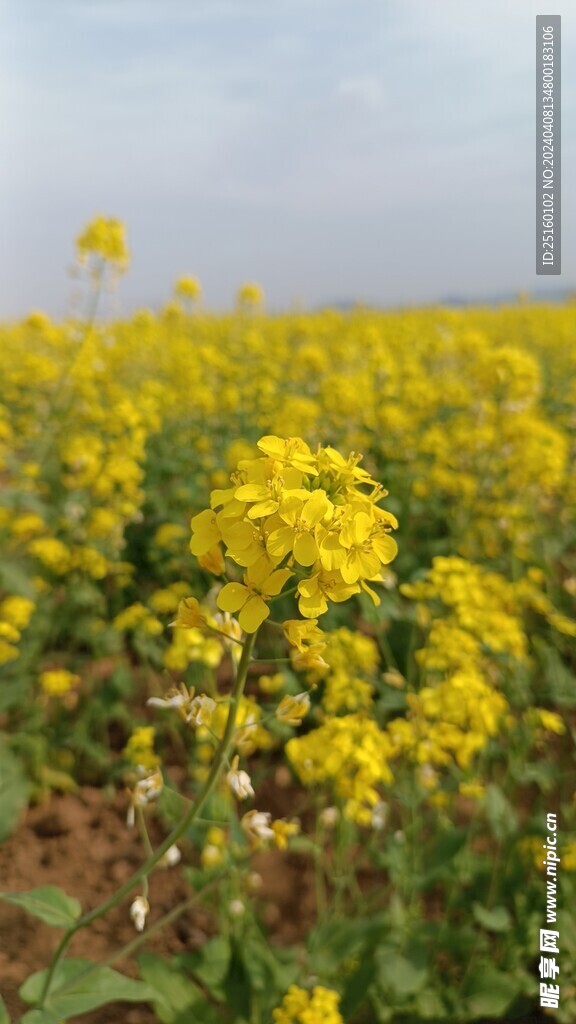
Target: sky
[{"x": 378, "y": 151}]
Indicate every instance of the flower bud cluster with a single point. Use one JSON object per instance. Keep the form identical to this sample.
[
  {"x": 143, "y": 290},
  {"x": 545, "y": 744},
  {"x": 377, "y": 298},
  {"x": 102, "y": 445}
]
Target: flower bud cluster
[{"x": 296, "y": 513}]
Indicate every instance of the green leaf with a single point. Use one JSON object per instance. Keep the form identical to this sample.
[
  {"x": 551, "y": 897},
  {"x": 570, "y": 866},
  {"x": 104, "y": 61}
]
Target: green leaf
[
  {"x": 48, "y": 903},
  {"x": 332, "y": 942},
  {"x": 237, "y": 985},
  {"x": 545, "y": 775},
  {"x": 357, "y": 985},
  {"x": 496, "y": 919},
  {"x": 80, "y": 986},
  {"x": 265, "y": 970},
  {"x": 176, "y": 997},
  {"x": 4, "y": 1018},
  {"x": 391, "y": 699},
  {"x": 430, "y": 1006},
  {"x": 14, "y": 579},
  {"x": 438, "y": 858},
  {"x": 402, "y": 974},
  {"x": 560, "y": 681},
  {"x": 41, "y": 1017},
  {"x": 500, "y": 813},
  {"x": 489, "y": 992},
  {"x": 210, "y": 963},
  {"x": 13, "y": 790}
]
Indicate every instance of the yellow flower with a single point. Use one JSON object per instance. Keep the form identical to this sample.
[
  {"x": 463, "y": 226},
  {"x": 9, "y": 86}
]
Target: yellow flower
[
  {"x": 551, "y": 721},
  {"x": 303, "y": 633},
  {"x": 57, "y": 682},
  {"x": 213, "y": 561},
  {"x": 249, "y": 598},
  {"x": 292, "y": 451},
  {"x": 292, "y": 710},
  {"x": 7, "y": 652},
  {"x": 190, "y": 615},
  {"x": 368, "y": 547},
  {"x": 188, "y": 288},
  {"x": 271, "y": 684},
  {"x": 283, "y": 830},
  {"x": 206, "y": 532},
  {"x": 300, "y": 516},
  {"x": 323, "y": 586},
  {"x": 474, "y": 790},
  {"x": 104, "y": 237},
  {"x": 163, "y": 601},
  {"x": 211, "y": 856},
  {"x": 250, "y": 295},
  {"x": 353, "y": 754},
  {"x": 52, "y": 553},
  {"x": 269, "y": 489},
  {"x": 140, "y": 748},
  {"x": 290, "y": 506},
  {"x": 301, "y": 1007},
  {"x": 9, "y": 632},
  {"x": 310, "y": 660}
]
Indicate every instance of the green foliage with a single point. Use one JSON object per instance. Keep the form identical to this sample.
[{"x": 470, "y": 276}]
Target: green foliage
[
  {"x": 14, "y": 789},
  {"x": 112, "y": 436},
  {"x": 78, "y": 986},
  {"x": 489, "y": 992},
  {"x": 48, "y": 903}
]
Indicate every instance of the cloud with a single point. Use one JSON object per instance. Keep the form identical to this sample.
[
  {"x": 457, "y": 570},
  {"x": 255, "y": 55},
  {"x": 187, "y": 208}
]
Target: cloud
[
  {"x": 366, "y": 89},
  {"x": 386, "y": 149}
]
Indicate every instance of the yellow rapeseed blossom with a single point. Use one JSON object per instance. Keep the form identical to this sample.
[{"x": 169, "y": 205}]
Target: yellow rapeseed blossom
[
  {"x": 58, "y": 681},
  {"x": 299, "y": 1006},
  {"x": 550, "y": 721},
  {"x": 352, "y": 754},
  {"x": 139, "y": 749},
  {"x": 250, "y": 295},
  {"x": 188, "y": 288},
  {"x": 352, "y": 659},
  {"x": 291, "y": 710},
  {"x": 271, "y": 684},
  {"x": 318, "y": 512},
  {"x": 104, "y": 237},
  {"x": 16, "y": 610}
]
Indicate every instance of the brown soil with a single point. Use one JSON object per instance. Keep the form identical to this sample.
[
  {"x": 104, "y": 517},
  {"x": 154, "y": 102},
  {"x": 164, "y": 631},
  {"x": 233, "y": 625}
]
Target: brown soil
[{"x": 81, "y": 843}]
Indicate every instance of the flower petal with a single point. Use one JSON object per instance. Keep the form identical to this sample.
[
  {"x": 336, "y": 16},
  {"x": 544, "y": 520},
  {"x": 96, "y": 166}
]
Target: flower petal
[
  {"x": 253, "y": 614},
  {"x": 232, "y": 597}
]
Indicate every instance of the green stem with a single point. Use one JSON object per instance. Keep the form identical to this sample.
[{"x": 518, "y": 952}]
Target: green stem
[
  {"x": 88, "y": 323},
  {"x": 285, "y": 593},
  {"x": 221, "y": 632},
  {"x": 140, "y": 940},
  {"x": 178, "y": 830}
]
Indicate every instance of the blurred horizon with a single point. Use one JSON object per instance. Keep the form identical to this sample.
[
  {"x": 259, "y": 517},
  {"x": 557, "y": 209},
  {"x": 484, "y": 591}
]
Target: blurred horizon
[{"x": 380, "y": 154}]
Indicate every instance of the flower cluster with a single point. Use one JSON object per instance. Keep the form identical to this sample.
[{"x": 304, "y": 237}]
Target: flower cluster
[
  {"x": 320, "y": 1006},
  {"x": 352, "y": 754},
  {"x": 290, "y": 514},
  {"x": 104, "y": 237},
  {"x": 15, "y": 614},
  {"x": 57, "y": 682},
  {"x": 353, "y": 660}
]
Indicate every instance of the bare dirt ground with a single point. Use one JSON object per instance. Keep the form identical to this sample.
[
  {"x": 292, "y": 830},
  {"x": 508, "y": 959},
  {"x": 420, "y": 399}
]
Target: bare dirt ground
[{"x": 81, "y": 843}]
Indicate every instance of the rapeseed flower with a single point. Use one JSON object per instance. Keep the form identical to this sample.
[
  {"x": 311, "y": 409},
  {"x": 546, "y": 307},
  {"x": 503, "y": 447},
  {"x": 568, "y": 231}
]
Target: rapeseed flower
[{"x": 302, "y": 1007}]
